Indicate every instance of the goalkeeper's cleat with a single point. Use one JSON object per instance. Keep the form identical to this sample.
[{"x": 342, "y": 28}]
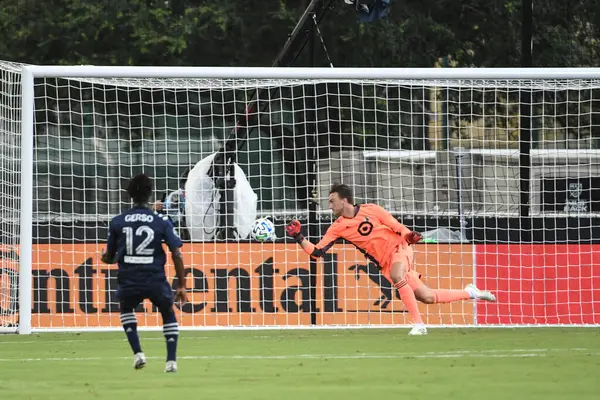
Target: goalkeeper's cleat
[
  {"x": 479, "y": 294},
  {"x": 418, "y": 330},
  {"x": 139, "y": 360},
  {"x": 171, "y": 366}
]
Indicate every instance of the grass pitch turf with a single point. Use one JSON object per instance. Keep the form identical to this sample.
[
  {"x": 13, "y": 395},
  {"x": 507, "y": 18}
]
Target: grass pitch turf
[{"x": 465, "y": 364}]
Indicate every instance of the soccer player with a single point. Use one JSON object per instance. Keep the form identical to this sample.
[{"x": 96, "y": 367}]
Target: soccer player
[
  {"x": 135, "y": 242},
  {"x": 387, "y": 243}
]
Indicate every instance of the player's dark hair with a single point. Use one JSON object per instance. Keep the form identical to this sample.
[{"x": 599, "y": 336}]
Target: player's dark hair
[
  {"x": 343, "y": 191},
  {"x": 140, "y": 188}
]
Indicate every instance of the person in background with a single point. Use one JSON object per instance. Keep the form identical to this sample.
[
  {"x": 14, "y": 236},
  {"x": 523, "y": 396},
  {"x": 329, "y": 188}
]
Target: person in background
[{"x": 173, "y": 206}]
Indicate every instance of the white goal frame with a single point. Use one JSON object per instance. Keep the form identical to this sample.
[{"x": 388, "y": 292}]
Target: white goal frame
[{"x": 30, "y": 72}]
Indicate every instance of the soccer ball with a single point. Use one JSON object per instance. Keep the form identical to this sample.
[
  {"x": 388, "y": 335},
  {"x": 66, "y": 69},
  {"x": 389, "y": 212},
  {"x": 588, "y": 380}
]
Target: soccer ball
[{"x": 263, "y": 230}]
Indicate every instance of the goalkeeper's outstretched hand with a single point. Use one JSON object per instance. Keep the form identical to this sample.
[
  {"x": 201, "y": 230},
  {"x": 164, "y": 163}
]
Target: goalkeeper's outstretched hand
[
  {"x": 413, "y": 237},
  {"x": 293, "y": 229}
]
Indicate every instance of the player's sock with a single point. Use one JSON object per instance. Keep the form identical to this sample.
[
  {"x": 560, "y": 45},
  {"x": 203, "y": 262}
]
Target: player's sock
[
  {"x": 408, "y": 298},
  {"x": 171, "y": 333},
  {"x": 129, "y": 323},
  {"x": 450, "y": 295}
]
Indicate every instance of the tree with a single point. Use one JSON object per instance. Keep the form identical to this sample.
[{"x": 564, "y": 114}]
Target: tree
[{"x": 249, "y": 33}]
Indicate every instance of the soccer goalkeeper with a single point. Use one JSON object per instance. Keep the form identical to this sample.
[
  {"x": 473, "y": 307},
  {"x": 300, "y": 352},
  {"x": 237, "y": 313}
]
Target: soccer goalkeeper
[{"x": 387, "y": 243}]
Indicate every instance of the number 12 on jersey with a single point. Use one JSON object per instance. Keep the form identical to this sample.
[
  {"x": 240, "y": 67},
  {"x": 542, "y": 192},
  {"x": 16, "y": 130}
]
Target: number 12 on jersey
[{"x": 142, "y": 254}]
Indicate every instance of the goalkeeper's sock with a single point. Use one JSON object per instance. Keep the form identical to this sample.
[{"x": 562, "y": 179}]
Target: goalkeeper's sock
[
  {"x": 171, "y": 333},
  {"x": 450, "y": 295},
  {"x": 129, "y": 323},
  {"x": 408, "y": 298}
]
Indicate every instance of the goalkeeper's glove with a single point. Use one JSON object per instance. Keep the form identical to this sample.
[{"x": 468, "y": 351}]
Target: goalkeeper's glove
[
  {"x": 293, "y": 229},
  {"x": 413, "y": 237}
]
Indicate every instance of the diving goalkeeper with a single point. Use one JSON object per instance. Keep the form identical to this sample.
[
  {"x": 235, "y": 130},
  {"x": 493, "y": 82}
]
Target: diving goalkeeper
[{"x": 387, "y": 243}]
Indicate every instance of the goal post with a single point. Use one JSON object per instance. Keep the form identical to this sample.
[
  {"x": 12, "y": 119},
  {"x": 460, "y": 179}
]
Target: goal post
[
  {"x": 26, "y": 223},
  {"x": 438, "y": 147}
]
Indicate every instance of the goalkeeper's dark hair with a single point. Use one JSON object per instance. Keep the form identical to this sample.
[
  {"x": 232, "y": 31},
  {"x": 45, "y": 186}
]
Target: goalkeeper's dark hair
[
  {"x": 343, "y": 191},
  {"x": 140, "y": 188}
]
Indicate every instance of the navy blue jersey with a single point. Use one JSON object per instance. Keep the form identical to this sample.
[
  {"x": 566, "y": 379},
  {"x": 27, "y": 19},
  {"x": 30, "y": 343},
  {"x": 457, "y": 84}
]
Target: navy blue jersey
[{"x": 136, "y": 237}]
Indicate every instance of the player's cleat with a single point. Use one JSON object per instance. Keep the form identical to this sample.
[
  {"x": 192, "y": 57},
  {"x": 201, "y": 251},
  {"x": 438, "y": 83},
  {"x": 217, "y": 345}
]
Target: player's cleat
[
  {"x": 479, "y": 294},
  {"x": 418, "y": 331},
  {"x": 139, "y": 360},
  {"x": 171, "y": 366}
]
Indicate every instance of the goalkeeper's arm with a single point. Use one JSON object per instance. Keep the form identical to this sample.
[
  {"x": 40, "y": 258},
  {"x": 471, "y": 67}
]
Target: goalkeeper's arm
[
  {"x": 411, "y": 237},
  {"x": 294, "y": 230}
]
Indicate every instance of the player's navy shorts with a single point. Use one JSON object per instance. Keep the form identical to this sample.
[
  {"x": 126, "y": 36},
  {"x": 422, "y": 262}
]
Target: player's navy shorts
[{"x": 159, "y": 292}]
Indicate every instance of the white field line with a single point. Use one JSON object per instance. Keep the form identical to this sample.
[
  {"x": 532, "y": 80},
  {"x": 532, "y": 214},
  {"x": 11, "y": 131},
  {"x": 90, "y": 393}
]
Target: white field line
[
  {"x": 142, "y": 338},
  {"x": 519, "y": 353}
]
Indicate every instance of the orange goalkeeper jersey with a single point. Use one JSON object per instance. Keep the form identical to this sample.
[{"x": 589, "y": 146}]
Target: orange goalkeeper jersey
[{"x": 373, "y": 230}]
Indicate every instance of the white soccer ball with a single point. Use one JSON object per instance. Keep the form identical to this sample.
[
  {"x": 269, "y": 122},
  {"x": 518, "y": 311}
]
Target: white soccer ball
[{"x": 263, "y": 230}]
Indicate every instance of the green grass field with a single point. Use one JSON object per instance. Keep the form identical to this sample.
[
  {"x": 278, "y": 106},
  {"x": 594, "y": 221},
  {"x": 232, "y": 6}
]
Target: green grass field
[{"x": 543, "y": 363}]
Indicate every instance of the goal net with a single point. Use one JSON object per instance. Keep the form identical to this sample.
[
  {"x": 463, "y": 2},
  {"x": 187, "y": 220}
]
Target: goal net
[
  {"x": 10, "y": 166},
  {"x": 501, "y": 175}
]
